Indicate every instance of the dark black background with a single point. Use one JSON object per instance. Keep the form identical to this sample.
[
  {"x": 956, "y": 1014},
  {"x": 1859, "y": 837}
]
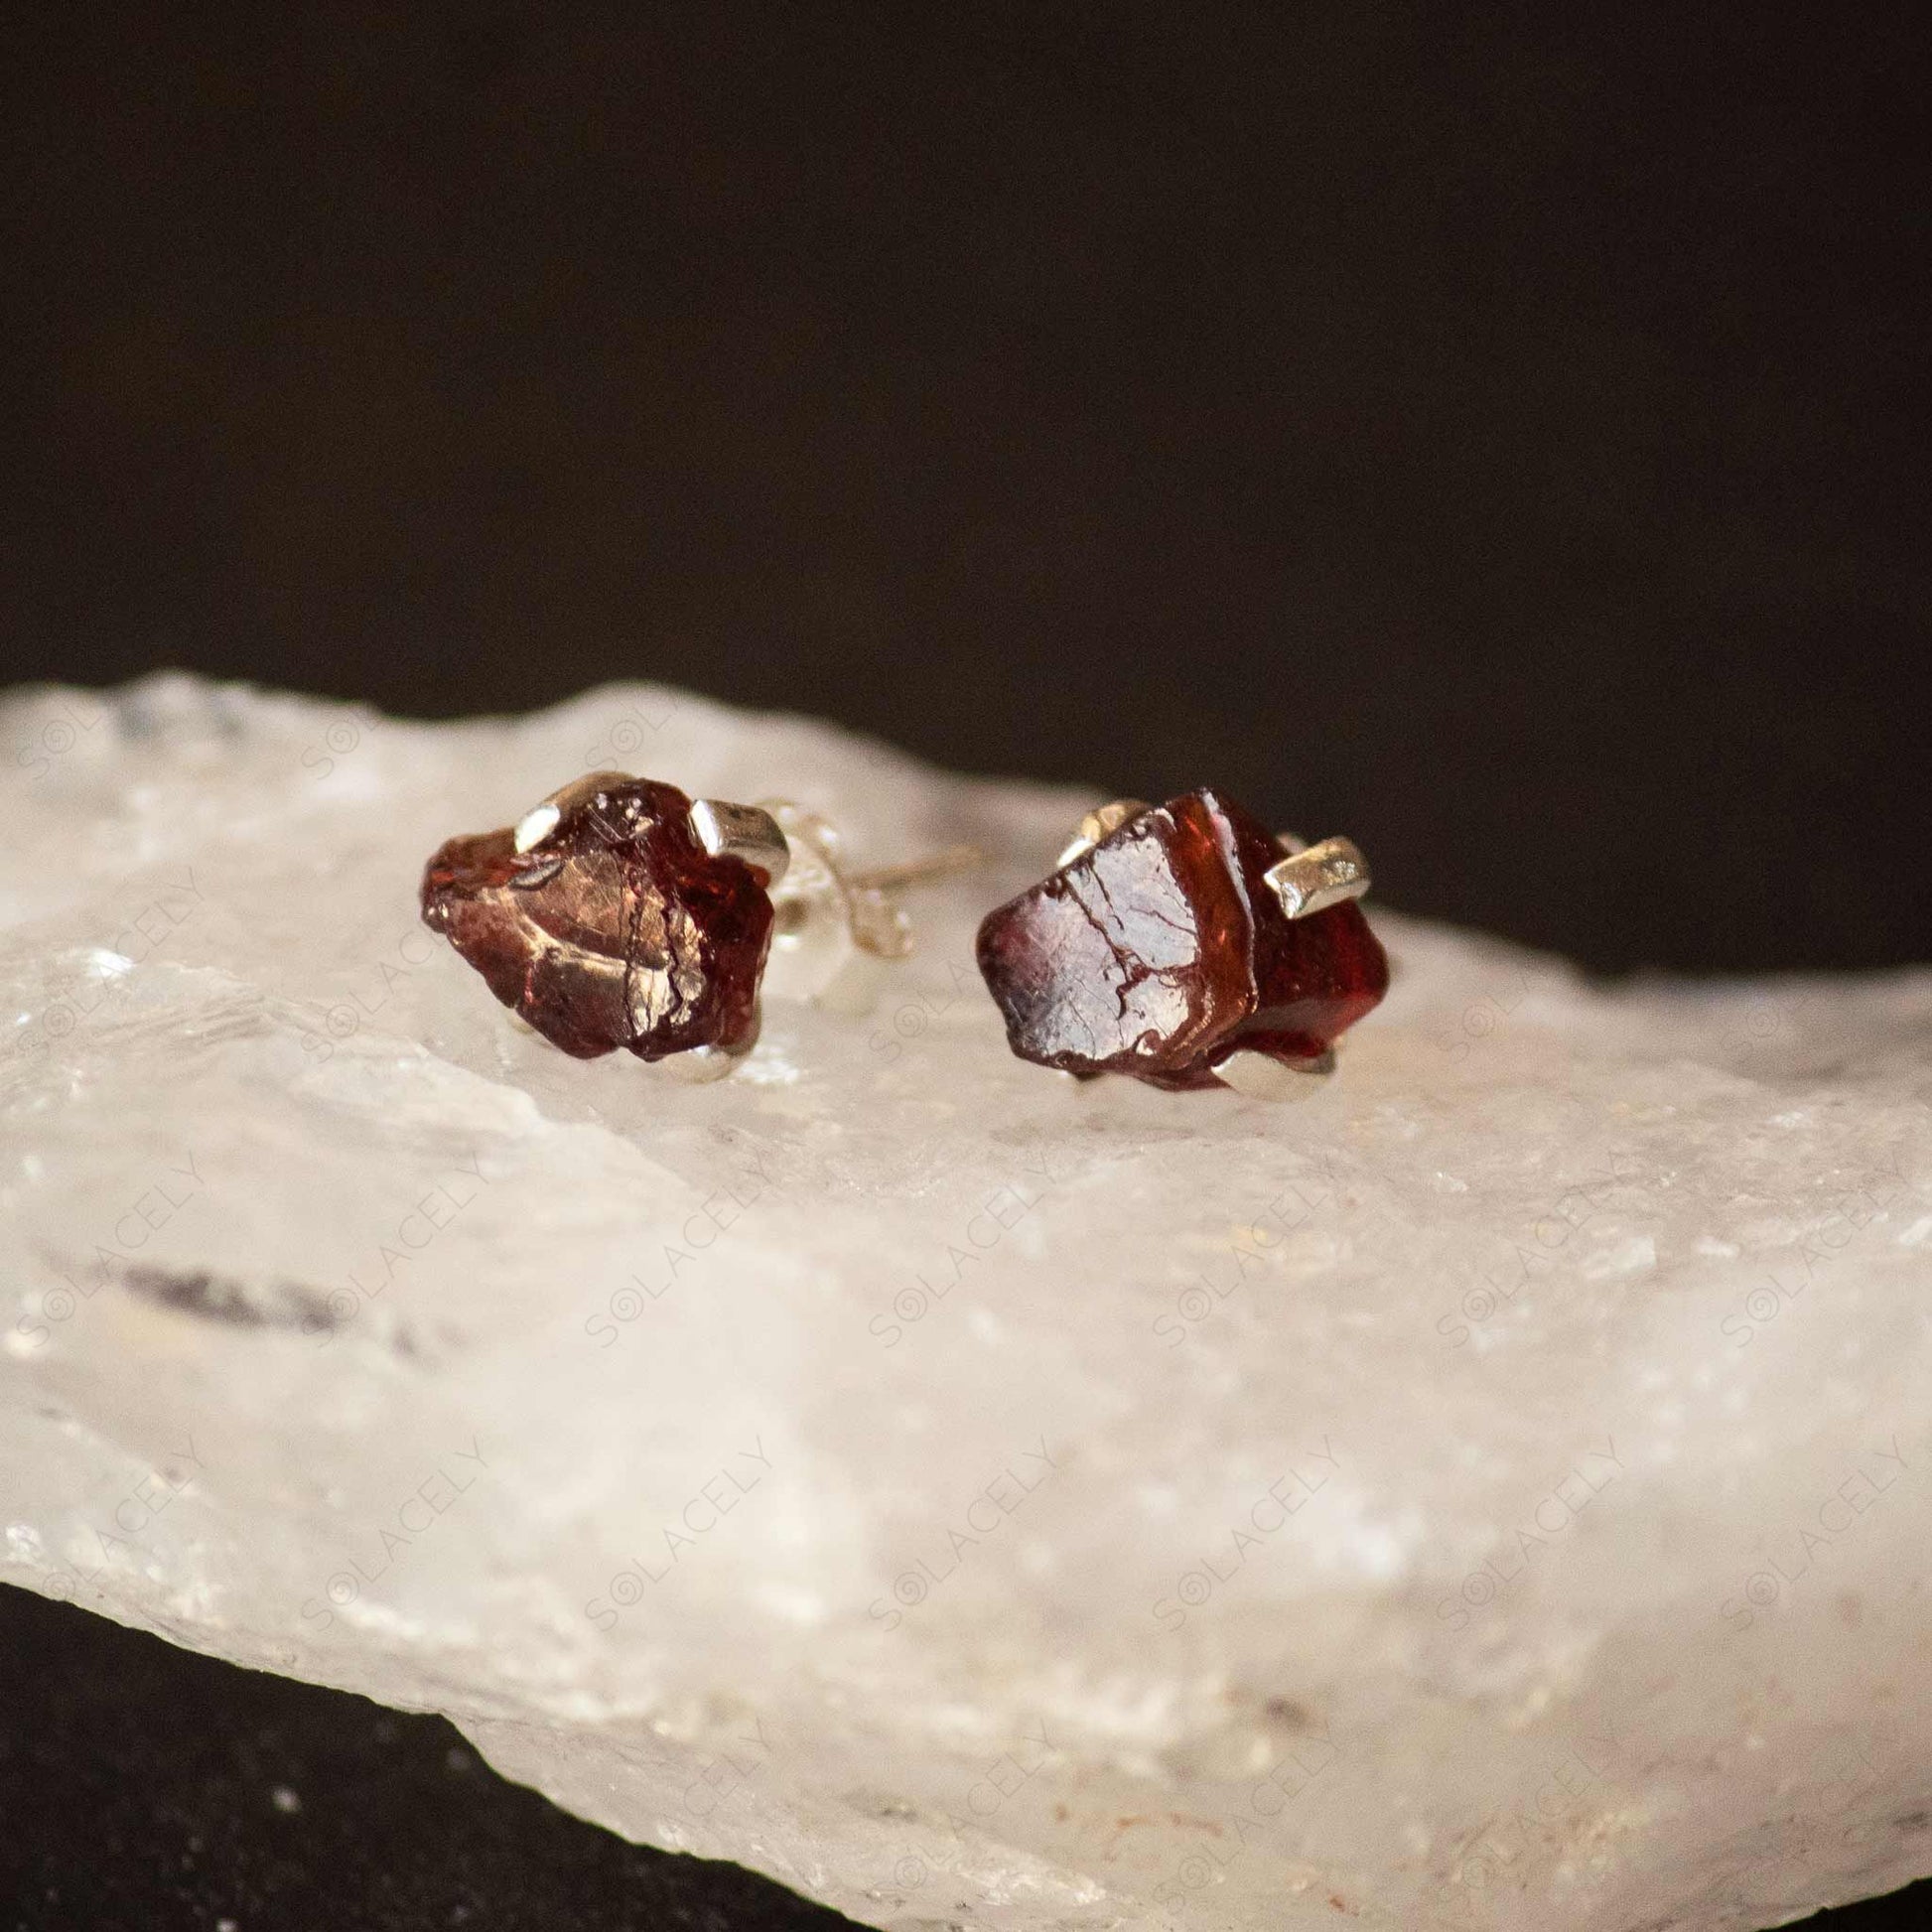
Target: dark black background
[
  {"x": 138, "y": 1793},
  {"x": 1495, "y": 432}
]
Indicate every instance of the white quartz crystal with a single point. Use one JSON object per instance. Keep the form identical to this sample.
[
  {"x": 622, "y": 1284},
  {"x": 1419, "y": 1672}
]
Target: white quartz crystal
[{"x": 1496, "y": 1492}]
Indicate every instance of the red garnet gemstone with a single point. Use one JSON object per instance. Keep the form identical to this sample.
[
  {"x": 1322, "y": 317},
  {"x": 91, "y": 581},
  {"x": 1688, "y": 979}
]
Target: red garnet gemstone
[
  {"x": 1164, "y": 949},
  {"x": 617, "y": 929}
]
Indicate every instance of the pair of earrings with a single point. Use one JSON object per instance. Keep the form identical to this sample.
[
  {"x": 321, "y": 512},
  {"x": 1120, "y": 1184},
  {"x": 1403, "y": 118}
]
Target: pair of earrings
[{"x": 1178, "y": 943}]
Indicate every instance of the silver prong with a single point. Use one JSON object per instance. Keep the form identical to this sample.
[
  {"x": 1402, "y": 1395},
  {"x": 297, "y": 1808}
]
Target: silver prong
[
  {"x": 535, "y": 826},
  {"x": 1291, "y": 843},
  {"x": 701, "y": 1065},
  {"x": 1323, "y": 876},
  {"x": 1097, "y": 825},
  {"x": 742, "y": 832},
  {"x": 1260, "y": 1076},
  {"x": 541, "y": 820}
]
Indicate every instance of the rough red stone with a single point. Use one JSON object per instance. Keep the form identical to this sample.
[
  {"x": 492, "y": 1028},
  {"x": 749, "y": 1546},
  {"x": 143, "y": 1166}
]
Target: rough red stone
[
  {"x": 1164, "y": 949},
  {"x": 617, "y": 930}
]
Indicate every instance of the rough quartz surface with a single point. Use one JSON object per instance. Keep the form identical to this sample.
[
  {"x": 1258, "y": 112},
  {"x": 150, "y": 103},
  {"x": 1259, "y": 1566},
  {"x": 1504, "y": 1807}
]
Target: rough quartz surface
[{"x": 1494, "y": 1493}]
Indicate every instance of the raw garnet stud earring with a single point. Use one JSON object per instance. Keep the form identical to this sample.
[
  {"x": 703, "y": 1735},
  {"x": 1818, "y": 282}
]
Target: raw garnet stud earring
[
  {"x": 1184, "y": 945},
  {"x": 619, "y": 912}
]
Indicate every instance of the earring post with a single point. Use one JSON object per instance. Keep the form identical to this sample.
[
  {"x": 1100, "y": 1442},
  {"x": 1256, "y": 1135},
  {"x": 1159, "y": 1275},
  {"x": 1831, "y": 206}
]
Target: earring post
[{"x": 919, "y": 872}]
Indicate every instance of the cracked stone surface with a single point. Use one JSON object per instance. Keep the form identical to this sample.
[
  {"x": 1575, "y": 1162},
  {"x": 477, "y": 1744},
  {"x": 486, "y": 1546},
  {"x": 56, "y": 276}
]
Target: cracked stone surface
[{"x": 1493, "y": 1493}]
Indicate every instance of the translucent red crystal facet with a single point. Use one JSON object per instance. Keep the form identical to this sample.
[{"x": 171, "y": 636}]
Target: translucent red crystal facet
[
  {"x": 617, "y": 930},
  {"x": 1164, "y": 949}
]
